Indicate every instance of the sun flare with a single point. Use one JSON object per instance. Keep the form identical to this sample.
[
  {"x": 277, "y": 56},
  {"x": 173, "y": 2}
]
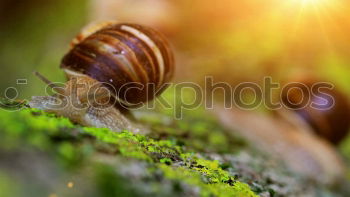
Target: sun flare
[
  {"x": 305, "y": 2},
  {"x": 313, "y": 2}
]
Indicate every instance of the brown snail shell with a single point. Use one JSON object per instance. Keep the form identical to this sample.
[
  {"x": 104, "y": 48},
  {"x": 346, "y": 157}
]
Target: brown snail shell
[
  {"x": 331, "y": 123},
  {"x": 133, "y": 61}
]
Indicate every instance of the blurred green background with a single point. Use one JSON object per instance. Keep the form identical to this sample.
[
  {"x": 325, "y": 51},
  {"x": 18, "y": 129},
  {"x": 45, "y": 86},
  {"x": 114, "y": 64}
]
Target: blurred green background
[
  {"x": 34, "y": 36},
  {"x": 233, "y": 41}
]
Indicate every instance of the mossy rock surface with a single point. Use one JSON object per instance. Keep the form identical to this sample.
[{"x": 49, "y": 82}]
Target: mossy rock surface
[{"x": 45, "y": 155}]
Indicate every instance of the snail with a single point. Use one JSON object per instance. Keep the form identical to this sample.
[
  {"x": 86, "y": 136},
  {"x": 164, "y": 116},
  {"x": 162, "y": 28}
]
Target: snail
[
  {"x": 110, "y": 67},
  {"x": 330, "y": 119},
  {"x": 301, "y": 136}
]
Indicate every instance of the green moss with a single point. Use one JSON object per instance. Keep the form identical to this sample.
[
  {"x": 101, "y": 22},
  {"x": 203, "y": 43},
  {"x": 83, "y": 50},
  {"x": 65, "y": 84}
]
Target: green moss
[
  {"x": 199, "y": 133},
  {"x": 205, "y": 174},
  {"x": 71, "y": 144},
  {"x": 34, "y": 129},
  {"x": 33, "y": 126},
  {"x": 195, "y": 179}
]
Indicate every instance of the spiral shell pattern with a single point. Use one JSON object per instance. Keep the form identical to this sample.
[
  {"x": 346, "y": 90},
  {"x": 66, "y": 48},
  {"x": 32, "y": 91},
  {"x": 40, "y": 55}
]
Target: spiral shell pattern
[{"x": 135, "y": 61}]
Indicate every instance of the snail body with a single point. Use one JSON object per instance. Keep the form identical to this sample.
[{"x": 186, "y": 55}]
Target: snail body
[{"x": 116, "y": 65}]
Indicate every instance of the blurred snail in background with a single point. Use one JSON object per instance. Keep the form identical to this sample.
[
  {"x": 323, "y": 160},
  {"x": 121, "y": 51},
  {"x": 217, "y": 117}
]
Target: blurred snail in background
[
  {"x": 330, "y": 119},
  {"x": 110, "y": 63},
  {"x": 301, "y": 135}
]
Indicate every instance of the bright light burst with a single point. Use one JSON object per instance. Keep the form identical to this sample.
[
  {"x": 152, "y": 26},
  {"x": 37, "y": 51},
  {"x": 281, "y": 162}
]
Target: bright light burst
[
  {"x": 317, "y": 3},
  {"x": 309, "y": 10},
  {"x": 311, "y": 2}
]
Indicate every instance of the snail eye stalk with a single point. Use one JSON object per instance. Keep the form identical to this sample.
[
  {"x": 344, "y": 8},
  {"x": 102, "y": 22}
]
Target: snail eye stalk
[{"x": 52, "y": 85}]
